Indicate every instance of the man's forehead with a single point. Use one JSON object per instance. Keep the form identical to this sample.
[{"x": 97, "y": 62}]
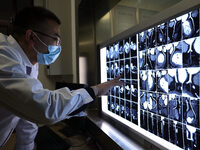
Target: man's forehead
[{"x": 52, "y": 27}]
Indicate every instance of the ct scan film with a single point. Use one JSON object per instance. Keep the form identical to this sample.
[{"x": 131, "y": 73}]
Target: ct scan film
[
  {"x": 121, "y": 59},
  {"x": 161, "y": 71}
]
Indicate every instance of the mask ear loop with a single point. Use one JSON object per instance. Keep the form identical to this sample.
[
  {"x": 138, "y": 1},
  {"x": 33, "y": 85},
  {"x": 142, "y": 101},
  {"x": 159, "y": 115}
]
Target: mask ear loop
[{"x": 40, "y": 39}]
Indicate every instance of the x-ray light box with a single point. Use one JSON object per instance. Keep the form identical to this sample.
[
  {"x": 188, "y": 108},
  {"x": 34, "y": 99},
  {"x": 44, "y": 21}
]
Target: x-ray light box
[{"x": 161, "y": 71}]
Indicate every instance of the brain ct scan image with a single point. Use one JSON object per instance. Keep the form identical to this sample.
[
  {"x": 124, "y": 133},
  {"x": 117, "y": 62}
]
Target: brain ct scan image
[
  {"x": 142, "y": 60},
  {"x": 163, "y": 124},
  {"x": 190, "y": 24},
  {"x": 151, "y": 80},
  {"x": 112, "y": 69},
  {"x": 152, "y": 58},
  {"x": 174, "y": 30},
  {"x": 144, "y": 119},
  {"x": 152, "y": 126},
  {"x": 134, "y": 113},
  {"x": 191, "y": 52},
  {"x": 122, "y": 68},
  {"x": 160, "y": 67},
  {"x": 143, "y": 80},
  {"x": 127, "y": 91},
  {"x": 112, "y": 53},
  {"x": 128, "y": 110},
  {"x": 161, "y": 34},
  {"x": 175, "y": 133},
  {"x": 191, "y": 111},
  {"x": 116, "y": 69},
  {"x": 127, "y": 69},
  {"x": 122, "y": 92},
  {"x": 152, "y": 102},
  {"x": 162, "y": 81},
  {"x": 108, "y": 70},
  {"x": 190, "y": 79},
  {"x": 122, "y": 108},
  {"x": 116, "y": 91},
  {"x": 112, "y": 104},
  {"x": 121, "y": 50},
  {"x": 116, "y": 51},
  {"x": 163, "y": 104},
  {"x": 142, "y": 40},
  {"x": 134, "y": 92},
  {"x": 133, "y": 47},
  {"x": 175, "y": 81},
  {"x": 117, "y": 106},
  {"x": 151, "y": 38},
  {"x": 162, "y": 60},
  {"x": 126, "y": 48},
  {"x": 133, "y": 68},
  {"x": 175, "y": 107},
  {"x": 143, "y": 100},
  {"x": 175, "y": 56},
  {"x": 191, "y": 137}
]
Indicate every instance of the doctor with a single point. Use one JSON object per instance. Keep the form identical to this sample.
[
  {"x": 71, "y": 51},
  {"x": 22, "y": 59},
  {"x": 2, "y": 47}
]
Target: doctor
[{"x": 23, "y": 100}]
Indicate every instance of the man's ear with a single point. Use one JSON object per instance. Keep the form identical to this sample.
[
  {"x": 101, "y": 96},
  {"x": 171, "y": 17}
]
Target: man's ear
[{"x": 29, "y": 36}]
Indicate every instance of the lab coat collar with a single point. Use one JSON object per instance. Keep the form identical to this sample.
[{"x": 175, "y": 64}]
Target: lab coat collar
[{"x": 13, "y": 43}]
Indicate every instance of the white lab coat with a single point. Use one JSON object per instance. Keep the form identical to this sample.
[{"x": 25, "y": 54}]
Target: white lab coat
[{"x": 23, "y": 99}]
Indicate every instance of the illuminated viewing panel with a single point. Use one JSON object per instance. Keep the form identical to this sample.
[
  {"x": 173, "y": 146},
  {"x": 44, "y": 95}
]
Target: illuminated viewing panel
[{"x": 161, "y": 71}]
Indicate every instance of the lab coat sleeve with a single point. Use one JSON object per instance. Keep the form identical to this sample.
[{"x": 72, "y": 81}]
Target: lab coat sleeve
[{"x": 26, "y": 97}]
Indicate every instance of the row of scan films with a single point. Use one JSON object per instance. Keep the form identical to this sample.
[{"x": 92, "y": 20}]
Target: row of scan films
[{"x": 169, "y": 79}]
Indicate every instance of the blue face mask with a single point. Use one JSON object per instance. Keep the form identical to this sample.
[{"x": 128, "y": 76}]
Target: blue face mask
[{"x": 46, "y": 59}]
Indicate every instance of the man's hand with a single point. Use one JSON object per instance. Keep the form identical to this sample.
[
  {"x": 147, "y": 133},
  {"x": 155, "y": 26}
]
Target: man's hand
[{"x": 103, "y": 88}]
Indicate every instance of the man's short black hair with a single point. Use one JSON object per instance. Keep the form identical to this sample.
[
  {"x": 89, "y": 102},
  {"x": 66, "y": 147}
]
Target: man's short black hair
[{"x": 32, "y": 18}]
